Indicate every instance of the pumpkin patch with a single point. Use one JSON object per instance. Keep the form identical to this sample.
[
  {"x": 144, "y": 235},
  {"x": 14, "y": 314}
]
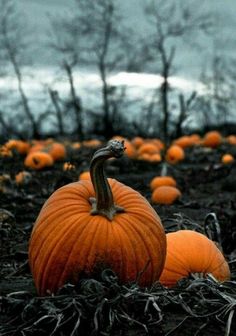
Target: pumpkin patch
[{"x": 102, "y": 254}]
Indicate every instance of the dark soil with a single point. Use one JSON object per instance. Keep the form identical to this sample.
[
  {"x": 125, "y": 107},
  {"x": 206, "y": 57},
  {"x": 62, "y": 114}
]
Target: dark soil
[{"x": 193, "y": 307}]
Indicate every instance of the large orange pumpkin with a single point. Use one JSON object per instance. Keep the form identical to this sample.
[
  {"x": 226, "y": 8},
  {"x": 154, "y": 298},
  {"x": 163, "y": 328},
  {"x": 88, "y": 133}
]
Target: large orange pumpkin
[
  {"x": 88, "y": 225},
  {"x": 192, "y": 252}
]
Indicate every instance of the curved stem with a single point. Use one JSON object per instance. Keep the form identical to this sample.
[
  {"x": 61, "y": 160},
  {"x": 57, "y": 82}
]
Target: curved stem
[{"x": 103, "y": 203}]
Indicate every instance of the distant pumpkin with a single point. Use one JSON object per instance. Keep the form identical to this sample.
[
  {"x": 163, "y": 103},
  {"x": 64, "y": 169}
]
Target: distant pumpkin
[
  {"x": 23, "y": 177},
  {"x": 156, "y": 157},
  {"x": 159, "y": 181},
  {"x": 174, "y": 154},
  {"x": 130, "y": 149},
  {"x": 56, "y": 150},
  {"x": 68, "y": 166},
  {"x": 20, "y": 146},
  {"x": 185, "y": 141},
  {"x": 5, "y": 152},
  {"x": 85, "y": 175},
  {"x": 231, "y": 139},
  {"x": 137, "y": 141},
  {"x": 227, "y": 158},
  {"x": 92, "y": 143},
  {"x": 38, "y": 160},
  {"x": 76, "y": 145},
  {"x": 192, "y": 252},
  {"x": 165, "y": 195},
  {"x": 148, "y": 148},
  {"x": 212, "y": 139}
]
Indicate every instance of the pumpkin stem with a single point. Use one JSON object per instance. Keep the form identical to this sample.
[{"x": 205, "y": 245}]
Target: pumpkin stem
[{"x": 103, "y": 203}]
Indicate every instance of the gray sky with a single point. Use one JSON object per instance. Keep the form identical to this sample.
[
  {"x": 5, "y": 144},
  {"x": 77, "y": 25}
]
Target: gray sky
[{"x": 37, "y": 12}]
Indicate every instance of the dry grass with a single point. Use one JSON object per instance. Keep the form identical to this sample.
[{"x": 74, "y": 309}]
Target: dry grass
[{"x": 103, "y": 306}]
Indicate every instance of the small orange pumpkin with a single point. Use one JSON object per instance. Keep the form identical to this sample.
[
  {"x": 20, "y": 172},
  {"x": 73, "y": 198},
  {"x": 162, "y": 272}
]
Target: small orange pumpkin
[
  {"x": 85, "y": 175},
  {"x": 36, "y": 147},
  {"x": 76, "y": 145},
  {"x": 5, "y": 152},
  {"x": 87, "y": 225},
  {"x": 148, "y": 148},
  {"x": 185, "y": 141},
  {"x": 20, "y": 146},
  {"x": 156, "y": 157},
  {"x": 174, "y": 154},
  {"x": 231, "y": 139},
  {"x": 137, "y": 141},
  {"x": 192, "y": 252},
  {"x": 92, "y": 143},
  {"x": 227, "y": 158},
  {"x": 212, "y": 139},
  {"x": 159, "y": 143},
  {"x": 165, "y": 195},
  {"x": 159, "y": 181},
  {"x": 38, "y": 160},
  {"x": 22, "y": 177},
  {"x": 68, "y": 166},
  {"x": 56, "y": 150},
  {"x": 130, "y": 149}
]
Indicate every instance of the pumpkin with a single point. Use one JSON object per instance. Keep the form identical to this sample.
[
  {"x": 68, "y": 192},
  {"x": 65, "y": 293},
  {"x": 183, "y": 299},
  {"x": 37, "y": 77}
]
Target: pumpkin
[
  {"x": 227, "y": 158},
  {"x": 148, "y": 148},
  {"x": 174, "y": 154},
  {"x": 92, "y": 143},
  {"x": 20, "y": 146},
  {"x": 130, "y": 149},
  {"x": 159, "y": 181},
  {"x": 165, "y": 195},
  {"x": 36, "y": 147},
  {"x": 156, "y": 157},
  {"x": 88, "y": 225},
  {"x": 160, "y": 145},
  {"x": 212, "y": 139},
  {"x": 192, "y": 252},
  {"x": 56, "y": 150},
  {"x": 5, "y": 152},
  {"x": 137, "y": 141},
  {"x": 231, "y": 139},
  {"x": 23, "y": 177},
  {"x": 68, "y": 166},
  {"x": 196, "y": 139},
  {"x": 76, "y": 145},
  {"x": 38, "y": 160},
  {"x": 85, "y": 175},
  {"x": 185, "y": 141}
]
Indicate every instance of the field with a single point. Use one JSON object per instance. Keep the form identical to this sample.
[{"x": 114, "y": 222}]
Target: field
[{"x": 101, "y": 305}]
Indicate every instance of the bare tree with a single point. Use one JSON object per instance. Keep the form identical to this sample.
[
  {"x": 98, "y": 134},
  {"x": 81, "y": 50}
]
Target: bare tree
[
  {"x": 54, "y": 96},
  {"x": 64, "y": 41},
  {"x": 13, "y": 45},
  {"x": 94, "y": 37},
  {"x": 185, "y": 107},
  {"x": 172, "y": 21}
]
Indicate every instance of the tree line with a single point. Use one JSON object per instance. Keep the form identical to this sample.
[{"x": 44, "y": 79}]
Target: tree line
[{"x": 97, "y": 36}]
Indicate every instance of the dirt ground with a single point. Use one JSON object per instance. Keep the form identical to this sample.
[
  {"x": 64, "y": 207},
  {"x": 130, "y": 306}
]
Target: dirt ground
[{"x": 208, "y": 192}]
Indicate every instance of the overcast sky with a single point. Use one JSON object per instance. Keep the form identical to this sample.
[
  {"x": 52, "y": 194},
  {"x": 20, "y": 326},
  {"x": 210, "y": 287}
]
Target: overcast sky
[{"x": 37, "y": 12}]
